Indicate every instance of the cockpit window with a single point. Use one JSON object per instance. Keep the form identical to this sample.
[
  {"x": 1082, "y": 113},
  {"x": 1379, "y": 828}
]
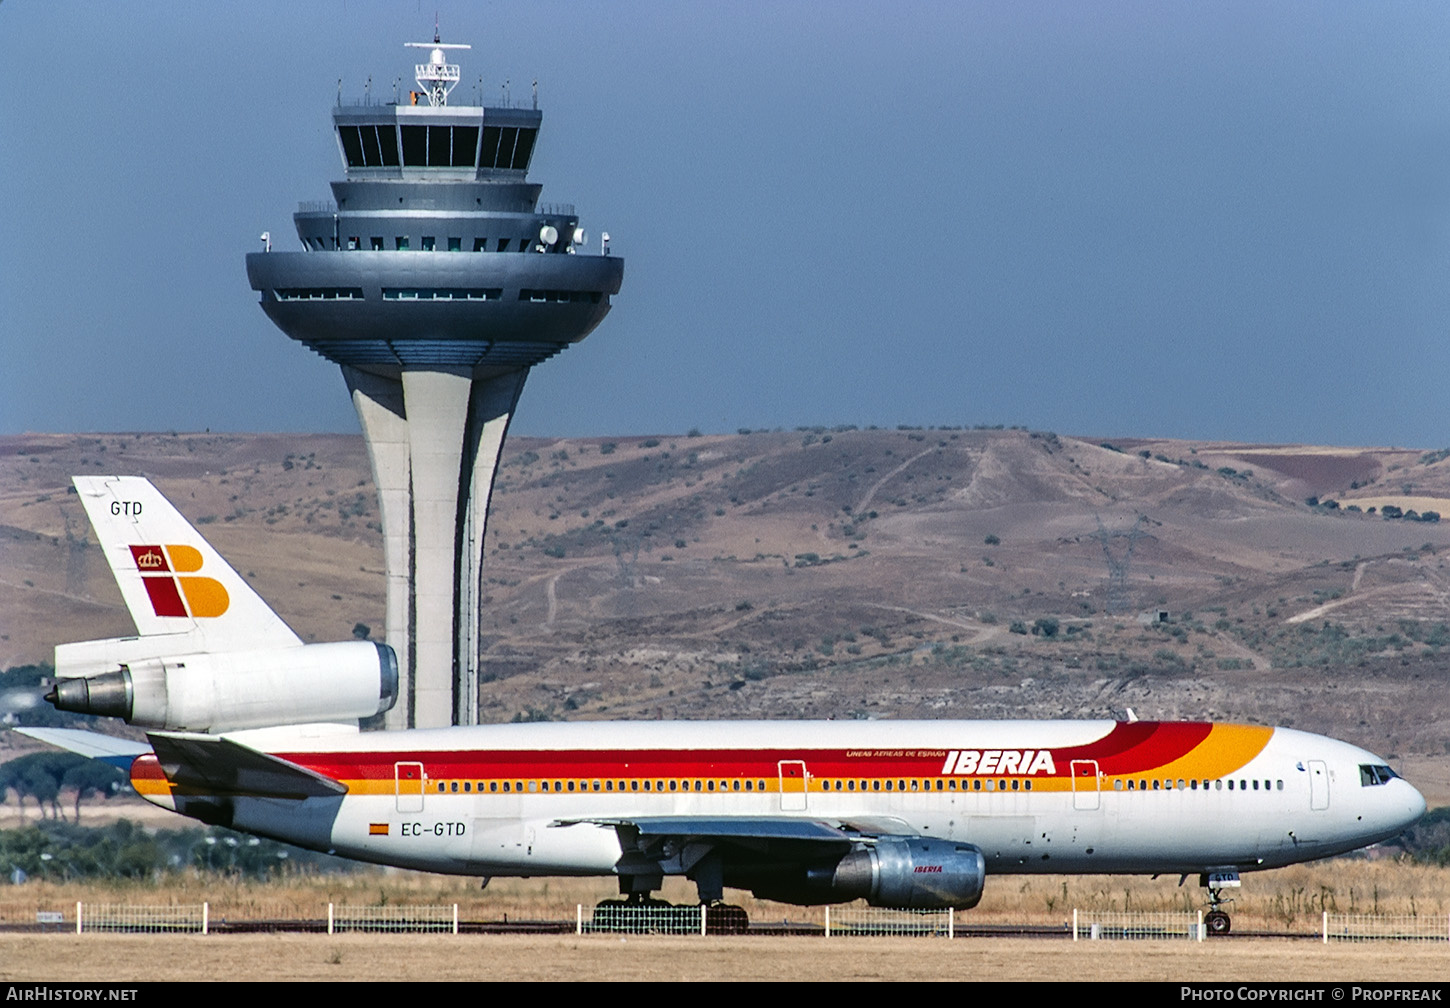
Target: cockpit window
[{"x": 1371, "y": 776}]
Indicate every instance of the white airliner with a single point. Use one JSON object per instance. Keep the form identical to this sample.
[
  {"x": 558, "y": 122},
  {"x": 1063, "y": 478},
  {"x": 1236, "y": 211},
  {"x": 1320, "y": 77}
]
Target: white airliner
[{"x": 251, "y": 729}]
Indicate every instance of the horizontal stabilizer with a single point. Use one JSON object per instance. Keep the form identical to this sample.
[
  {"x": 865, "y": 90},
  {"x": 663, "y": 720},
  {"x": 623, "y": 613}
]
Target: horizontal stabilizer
[
  {"x": 220, "y": 766},
  {"x": 118, "y": 752}
]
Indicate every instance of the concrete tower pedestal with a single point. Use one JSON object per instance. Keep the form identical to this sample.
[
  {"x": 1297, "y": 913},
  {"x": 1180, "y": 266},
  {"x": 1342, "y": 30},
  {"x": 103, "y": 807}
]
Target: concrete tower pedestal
[{"x": 434, "y": 437}]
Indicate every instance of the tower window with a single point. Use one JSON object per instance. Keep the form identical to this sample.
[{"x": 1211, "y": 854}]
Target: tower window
[
  {"x": 524, "y": 149},
  {"x": 371, "y": 154},
  {"x": 507, "y": 137},
  {"x": 415, "y": 146},
  {"x": 369, "y": 146},
  {"x": 465, "y": 146},
  {"x": 488, "y": 153},
  {"x": 440, "y": 153},
  {"x": 351, "y": 145}
]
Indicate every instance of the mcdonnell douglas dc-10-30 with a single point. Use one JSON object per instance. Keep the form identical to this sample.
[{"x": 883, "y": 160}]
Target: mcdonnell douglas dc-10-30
[{"x": 249, "y": 728}]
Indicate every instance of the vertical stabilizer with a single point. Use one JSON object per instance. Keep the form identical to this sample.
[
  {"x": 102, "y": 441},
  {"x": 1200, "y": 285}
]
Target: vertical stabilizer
[{"x": 173, "y": 582}]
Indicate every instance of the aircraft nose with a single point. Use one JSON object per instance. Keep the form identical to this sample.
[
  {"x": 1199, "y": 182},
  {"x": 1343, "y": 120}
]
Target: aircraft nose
[{"x": 1416, "y": 805}]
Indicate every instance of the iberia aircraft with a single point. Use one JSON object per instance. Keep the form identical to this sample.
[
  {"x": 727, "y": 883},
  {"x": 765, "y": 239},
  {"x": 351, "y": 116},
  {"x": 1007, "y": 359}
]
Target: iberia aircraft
[{"x": 251, "y": 729}]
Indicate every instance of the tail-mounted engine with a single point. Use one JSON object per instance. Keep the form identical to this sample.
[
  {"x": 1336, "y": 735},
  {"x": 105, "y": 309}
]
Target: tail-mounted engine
[{"x": 236, "y": 690}]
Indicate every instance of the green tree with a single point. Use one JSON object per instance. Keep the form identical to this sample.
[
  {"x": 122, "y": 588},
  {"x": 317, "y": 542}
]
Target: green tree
[
  {"x": 91, "y": 778},
  {"x": 43, "y": 775}
]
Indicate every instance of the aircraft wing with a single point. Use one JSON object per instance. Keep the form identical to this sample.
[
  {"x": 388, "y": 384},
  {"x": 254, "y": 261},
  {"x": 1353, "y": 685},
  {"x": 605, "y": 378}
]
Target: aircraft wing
[
  {"x": 720, "y": 847},
  {"x": 118, "y": 752},
  {"x": 692, "y": 828},
  {"x": 218, "y": 765},
  {"x": 674, "y": 845}
]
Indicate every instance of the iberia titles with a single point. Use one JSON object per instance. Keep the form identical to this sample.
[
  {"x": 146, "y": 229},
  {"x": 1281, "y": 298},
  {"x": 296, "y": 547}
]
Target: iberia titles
[{"x": 985, "y": 762}]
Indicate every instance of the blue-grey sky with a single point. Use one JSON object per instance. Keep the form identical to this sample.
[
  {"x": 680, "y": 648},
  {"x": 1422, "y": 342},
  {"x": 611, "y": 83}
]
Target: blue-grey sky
[{"x": 1226, "y": 220}]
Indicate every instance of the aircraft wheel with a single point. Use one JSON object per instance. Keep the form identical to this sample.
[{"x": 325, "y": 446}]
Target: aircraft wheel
[{"x": 1217, "y": 922}]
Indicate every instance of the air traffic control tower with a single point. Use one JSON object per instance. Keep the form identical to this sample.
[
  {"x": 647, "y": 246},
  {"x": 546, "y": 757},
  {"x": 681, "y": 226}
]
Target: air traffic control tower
[{"x": 436, "y": 279}]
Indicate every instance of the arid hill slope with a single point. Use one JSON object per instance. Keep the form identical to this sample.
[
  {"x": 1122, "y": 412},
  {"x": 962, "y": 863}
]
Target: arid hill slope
[{"x": 835, "y": 573}]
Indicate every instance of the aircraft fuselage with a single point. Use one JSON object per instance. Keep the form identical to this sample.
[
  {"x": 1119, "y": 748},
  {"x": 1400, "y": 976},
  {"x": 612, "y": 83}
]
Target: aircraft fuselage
[{"x": 1035, "y": 797}]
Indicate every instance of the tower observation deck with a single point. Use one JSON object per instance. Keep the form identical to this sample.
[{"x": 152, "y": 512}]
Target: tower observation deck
[{"x": 436, "y": 279}]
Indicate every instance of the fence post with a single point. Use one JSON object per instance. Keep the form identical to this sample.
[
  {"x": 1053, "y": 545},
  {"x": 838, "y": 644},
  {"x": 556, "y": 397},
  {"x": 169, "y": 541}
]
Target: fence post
[
  {"x": 78, "y": 916},
  {"x": 205, "y": 915},
  {"x": 1074, "y": 923},
  {"x": 1200, "y": 934},
  {"x": 578, "y": 918},
  {"x": 329, "y": 918},
  {"x": 704, "y": 930},
  {"x": 951, "y": 924},
  {"x": 828, "y": 920},
  {"x": 1326, "y": 927},
  {"x": 455, "y": 918}
]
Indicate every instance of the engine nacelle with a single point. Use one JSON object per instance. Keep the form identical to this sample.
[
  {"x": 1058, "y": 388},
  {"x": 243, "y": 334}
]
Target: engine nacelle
[
  {"x": 899, "y": 872},
  {"x": 914, "y": 873},
  {"x": 236, "y": 690}
]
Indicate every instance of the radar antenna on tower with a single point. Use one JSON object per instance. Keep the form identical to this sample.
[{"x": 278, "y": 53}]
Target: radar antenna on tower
[{"x": 436, "y": 77}]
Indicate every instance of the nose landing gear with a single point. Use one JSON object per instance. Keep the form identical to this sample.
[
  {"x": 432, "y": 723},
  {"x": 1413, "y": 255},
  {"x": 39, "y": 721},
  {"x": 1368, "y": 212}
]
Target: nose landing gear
[{"x": 1217, "y": 920}]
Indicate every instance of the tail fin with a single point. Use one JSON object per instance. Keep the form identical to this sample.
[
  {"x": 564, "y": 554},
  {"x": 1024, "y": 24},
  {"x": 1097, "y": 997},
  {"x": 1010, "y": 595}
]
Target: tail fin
[{"x": 174, "y": 583}]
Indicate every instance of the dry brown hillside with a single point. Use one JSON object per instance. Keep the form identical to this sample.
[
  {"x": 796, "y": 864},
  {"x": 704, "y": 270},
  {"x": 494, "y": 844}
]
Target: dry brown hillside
[{"x": 836, "y": 572}]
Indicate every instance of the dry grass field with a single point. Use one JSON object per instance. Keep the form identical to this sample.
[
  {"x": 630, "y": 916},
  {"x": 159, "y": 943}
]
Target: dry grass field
[
  {"x": 1285, "y": 903},
  {"x": 371, "y": 958}
]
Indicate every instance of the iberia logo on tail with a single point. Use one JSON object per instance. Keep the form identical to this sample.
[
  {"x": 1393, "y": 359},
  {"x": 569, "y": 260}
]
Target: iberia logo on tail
[{"x": 163, "y": 570}]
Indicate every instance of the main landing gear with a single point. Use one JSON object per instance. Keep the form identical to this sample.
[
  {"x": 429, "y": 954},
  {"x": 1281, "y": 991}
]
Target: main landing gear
[{"x": 639, "y": 912}]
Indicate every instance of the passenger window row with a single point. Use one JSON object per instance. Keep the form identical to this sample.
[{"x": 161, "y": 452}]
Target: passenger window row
[
  {"x": 848, "y": 785},
  {"x": 1169, "y": 784}
]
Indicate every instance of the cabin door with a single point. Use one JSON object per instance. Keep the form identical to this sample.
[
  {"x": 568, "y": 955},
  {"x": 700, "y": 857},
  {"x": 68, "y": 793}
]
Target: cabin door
[
  {"x": 1318, "y": 785},
  {"x": 792, "y": 785},
  {"x": 1085, "y": 784},
  {"x": 408, "y": 786}
]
